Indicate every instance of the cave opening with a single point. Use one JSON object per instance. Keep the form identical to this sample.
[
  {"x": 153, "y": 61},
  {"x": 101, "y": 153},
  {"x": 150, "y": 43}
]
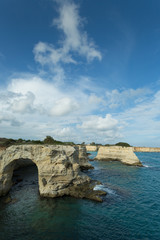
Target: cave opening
[{"x": 24, "y": 180}]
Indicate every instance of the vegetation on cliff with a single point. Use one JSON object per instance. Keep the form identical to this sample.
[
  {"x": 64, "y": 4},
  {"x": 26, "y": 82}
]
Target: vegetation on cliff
[
  {"x": 122, "y": 144},
  {"x": 7, "y": 142}
]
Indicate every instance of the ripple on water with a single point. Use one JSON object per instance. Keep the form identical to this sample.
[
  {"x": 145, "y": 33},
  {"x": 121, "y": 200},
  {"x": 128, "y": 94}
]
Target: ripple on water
[{"x": 130, "y": 209}]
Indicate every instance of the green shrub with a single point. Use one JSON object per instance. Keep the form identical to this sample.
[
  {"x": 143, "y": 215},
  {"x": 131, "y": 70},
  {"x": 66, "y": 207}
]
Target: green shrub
[
  {"x": 122, "y": 144},
  {"x": 49, "y": 140}
]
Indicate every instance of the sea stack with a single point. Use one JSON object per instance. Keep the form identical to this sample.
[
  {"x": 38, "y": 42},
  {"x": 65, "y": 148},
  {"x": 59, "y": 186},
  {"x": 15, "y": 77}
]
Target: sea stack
[{"x": 116, "y": 153}]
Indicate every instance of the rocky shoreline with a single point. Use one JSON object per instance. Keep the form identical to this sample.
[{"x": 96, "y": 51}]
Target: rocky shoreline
[{"x": 59, "y": 170}]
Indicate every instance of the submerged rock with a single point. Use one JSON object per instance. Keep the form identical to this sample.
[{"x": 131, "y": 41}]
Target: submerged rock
[{"x": 7, "y": 199}]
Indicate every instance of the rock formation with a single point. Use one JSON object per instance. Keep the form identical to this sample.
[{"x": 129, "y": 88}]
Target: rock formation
[
  {"x": 59, "y": 170},
  {"x": 122, "y": 154},
  {"x": 146, "y": 149},
  {"x": 83, "y": 158},
  {"x": 91, "y": 148}
]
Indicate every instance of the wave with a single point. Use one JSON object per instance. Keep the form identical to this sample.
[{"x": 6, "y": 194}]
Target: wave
[
  {"x": 106, "y": 189},
  {"x": 146, "y": 166}
]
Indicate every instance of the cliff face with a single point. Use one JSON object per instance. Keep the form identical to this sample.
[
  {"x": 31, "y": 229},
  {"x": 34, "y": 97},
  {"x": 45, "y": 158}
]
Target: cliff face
[
  {"x": 59, "y": 170},
  {"x": 83, "y": 158},
  {"x": 90, "y": 148},
  {"x": 122, "y": 154},
  {"x": 146, "y": 149}
]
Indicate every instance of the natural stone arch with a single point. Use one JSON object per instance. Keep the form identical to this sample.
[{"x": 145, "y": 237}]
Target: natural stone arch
[
  {"x": 51, "y": 161},
  {"x": 59, "y": 169},
  {"x": 9, "y": 170}
]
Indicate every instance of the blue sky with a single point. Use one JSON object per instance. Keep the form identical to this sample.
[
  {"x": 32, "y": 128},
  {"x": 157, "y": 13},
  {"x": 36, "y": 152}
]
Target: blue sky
[{"x": 81, "y": 71}]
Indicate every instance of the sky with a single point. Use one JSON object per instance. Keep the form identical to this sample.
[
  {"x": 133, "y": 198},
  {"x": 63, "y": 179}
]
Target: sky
[{"x": 80, "y": 70}]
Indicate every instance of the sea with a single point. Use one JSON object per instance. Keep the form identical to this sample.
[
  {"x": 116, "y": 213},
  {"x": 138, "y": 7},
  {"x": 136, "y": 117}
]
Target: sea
[{"x": 130, "y": 210}]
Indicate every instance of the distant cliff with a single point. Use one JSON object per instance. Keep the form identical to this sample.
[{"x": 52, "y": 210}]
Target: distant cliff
[
  {"x": 146, "y": 149},
  {"x": 91, "y": 148}
]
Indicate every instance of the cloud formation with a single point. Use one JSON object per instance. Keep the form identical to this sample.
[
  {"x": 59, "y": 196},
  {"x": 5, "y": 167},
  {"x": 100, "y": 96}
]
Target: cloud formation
[
  {"x": 142, "y": 121},
  {"x": 75, "y": 109},
  {"x": 101, "y": 127},
  {"x": 126, "y": 97},
  {"x": 75, "y": 42},
  {"x": 54, "y": 110},
  {"x": 30, "y": 102}
]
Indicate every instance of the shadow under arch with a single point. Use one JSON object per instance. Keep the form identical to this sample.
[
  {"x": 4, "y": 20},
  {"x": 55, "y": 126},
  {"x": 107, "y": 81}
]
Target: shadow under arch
[{"x": 17, "y": 170}]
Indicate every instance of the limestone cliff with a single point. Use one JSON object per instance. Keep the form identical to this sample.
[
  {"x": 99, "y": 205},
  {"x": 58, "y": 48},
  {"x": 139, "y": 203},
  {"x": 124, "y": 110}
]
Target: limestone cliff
[
  {"x": 59, "y": 170},
  {"x": 122, "y": 154},
  {"x": 146, "y": 149},
  {"x": 91, "y": 148},
  {"x": 83, "y": 158}
]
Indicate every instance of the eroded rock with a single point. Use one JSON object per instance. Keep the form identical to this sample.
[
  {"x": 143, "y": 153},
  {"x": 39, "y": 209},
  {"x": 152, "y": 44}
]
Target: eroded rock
[
  {"x": 59, "y": 169},
  {"x": 83, "y": 158},
  {"x": 122, "y": 154},
  {"x": 91, "y": 148}
]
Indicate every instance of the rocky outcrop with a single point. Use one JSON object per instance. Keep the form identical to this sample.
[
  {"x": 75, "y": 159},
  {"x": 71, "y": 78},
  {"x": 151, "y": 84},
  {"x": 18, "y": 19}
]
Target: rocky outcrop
[
  {"x": 91, "y": 148},
  {"x": 59, "y": 170},
  {"x": 83, "y": 158},
  {"x": 146, "y": 149},
  {"x": 122, "y": 154}
]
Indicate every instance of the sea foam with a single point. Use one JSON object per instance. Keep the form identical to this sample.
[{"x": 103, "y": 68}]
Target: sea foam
[{"x": 103, "y": 188}]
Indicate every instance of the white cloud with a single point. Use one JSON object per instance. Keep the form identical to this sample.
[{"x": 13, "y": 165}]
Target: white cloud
[
  {"x": 46, "y": 54},
  {"x": 35, "y": 93},
  {"x": 99, "y": 123},
  {"x": 147, "y": 109},
  {"x": 64, "y": 106},
  {"x": 33, "y": 106},
  {"x": 142, "y": 121},
  {"x": 65, "y": 134},
  {"x": 126, "y": 97},
  {"x": 23, "y": 103},
  {"x": 75, "y": 42},
  {"x": 44, "y": 106},
  {"x": 101, "y": 129}
]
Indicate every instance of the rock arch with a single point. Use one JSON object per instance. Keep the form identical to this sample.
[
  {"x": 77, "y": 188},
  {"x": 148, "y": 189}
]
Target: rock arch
[
  {"x": 8, "y": 171},
  {"x": 59, "y": 169}
]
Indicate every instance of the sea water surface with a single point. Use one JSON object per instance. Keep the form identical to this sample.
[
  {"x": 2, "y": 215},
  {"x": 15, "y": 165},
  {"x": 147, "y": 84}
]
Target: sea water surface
[{"x": 130, "y": 210}]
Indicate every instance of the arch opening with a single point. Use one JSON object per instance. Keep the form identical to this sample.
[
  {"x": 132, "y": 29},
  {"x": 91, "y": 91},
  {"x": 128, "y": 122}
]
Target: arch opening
[{"x": 22, "y": 179}]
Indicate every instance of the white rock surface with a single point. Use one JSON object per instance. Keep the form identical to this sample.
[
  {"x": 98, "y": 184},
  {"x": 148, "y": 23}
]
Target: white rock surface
[
  {"x": 91, "y": 148},
  {"x": 122, "y": 154},
  {"x": 59, "y": 169}
]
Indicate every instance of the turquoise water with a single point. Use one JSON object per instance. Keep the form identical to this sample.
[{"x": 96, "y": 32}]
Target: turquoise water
[{"x": 131, "y": 209}]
